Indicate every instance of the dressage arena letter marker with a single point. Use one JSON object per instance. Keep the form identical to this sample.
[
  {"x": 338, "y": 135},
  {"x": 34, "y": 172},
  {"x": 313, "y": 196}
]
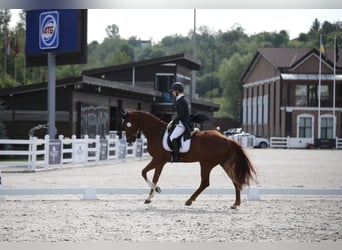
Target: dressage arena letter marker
[
  {"x": 253, "y": 194},
  {"x": 89, "y": 193},
  {"x": 2, "y": 197}
]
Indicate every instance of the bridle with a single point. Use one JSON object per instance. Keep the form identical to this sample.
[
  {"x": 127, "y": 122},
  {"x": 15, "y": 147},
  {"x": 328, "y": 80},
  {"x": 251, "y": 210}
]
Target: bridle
[{"x": 131, "y": 137}]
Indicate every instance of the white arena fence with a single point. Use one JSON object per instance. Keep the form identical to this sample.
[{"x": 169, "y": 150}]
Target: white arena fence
[
  {"x": 246, "y": 141},
  {"x": 292, "y": 142},
  {"x": 35, "y": 153}
]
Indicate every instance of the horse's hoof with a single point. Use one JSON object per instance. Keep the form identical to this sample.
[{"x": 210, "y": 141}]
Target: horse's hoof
[
  {"x": 188, "y": 203},
  {"x": 158, "y": 190},
  {"x": 233, "y": 207},
  {"x": 147, "y": 201}
]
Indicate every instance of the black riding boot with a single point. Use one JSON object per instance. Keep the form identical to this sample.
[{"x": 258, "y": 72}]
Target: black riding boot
[{"x": 175, "y": 148}]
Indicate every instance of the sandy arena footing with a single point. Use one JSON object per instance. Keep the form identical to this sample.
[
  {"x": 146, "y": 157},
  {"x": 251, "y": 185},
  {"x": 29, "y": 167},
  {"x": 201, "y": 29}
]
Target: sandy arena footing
[{"x": 125, "y": 218}]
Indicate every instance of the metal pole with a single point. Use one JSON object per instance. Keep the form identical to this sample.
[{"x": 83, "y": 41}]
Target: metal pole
[
  {"x": 334, "y": 88},
  {"x": 52, "y": 95},
  {"x": 319, "y": 86},
  {"x": 193, "y": 73}
]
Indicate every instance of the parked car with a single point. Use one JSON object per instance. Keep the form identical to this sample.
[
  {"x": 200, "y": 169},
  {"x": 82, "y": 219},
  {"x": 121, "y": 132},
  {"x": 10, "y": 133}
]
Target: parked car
[
  {"x": 232, "y": 131},
  {"x": 261, "y": 142},
  {"x": 250, "y": 140}
]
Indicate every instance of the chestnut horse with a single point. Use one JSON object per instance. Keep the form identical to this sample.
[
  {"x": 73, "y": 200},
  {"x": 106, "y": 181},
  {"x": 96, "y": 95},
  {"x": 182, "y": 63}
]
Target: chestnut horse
[{"x": 209, "y": 148}]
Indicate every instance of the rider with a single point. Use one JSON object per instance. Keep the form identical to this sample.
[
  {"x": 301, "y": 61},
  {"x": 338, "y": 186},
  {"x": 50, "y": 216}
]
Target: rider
[{"x": 181, "y": 123}]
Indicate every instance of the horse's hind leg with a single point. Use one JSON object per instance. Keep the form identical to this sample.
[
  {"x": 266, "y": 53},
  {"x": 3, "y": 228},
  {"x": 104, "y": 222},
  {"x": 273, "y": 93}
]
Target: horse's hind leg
[
  {"x": 205, "y": 173},
  {"x": 237, "y": 198},
  {"x": 228, "y": 168}
]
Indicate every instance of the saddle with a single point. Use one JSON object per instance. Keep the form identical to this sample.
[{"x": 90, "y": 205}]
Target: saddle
[{"x": 184, "y": 143}]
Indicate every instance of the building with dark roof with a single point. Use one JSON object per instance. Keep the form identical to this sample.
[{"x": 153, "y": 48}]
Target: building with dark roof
[
  {"x": 91, "y": 104},
  {"x": 281, "y": 94}
]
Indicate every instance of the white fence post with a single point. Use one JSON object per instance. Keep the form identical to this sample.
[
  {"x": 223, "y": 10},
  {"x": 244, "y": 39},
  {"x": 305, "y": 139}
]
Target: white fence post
[
  {"x": 73, "y": 147},
  {"x": 34, "y": 153},
  {"x": 46, "y": 147},
  {"x": 86, "y": 139},
  {"x": 117, "y": 147},
  {"x": 338, "y": 143},
  {"x": 61, "y": 138},
  {"x": 30, "y": 152},
  {"x": 108, "y": 143},
  {"x": 97, "y": 148}
]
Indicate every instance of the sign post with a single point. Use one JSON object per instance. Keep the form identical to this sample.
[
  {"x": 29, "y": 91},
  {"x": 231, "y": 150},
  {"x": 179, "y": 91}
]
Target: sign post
[
  {"x": 52, "y": 131},
  {"x": 49, "y": 39},
  {"x": 55, "y": 37}
]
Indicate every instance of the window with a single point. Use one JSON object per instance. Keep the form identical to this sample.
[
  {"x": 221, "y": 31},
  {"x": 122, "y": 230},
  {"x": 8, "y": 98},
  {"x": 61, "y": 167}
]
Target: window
[
  {"x": 305, "y": 126},
  {"x": 312, "y": 95},
  {"x": 164, "y": 82},
  {"x": 265, "y": 116},
  {"x": 327, "y": 127},
  {"x": 260, "y": 109},
  {"x": 254, "y": 114},
  {"x": 244, "y": 111},
  {"x": 249, "y": 110},
  {"x": 301, "y": 95},
  {"x": 324, "y": 95},
  {"x": 307, "y": 95}
]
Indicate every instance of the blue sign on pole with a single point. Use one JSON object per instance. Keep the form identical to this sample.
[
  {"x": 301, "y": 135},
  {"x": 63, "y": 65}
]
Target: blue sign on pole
[
  {"x": 48, "y": 30},
  {"x": 59, "y": 31}
]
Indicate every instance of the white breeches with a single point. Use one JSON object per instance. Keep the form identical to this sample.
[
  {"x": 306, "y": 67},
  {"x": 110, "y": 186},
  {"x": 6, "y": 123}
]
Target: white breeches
[{"x": 178, "y": 131}]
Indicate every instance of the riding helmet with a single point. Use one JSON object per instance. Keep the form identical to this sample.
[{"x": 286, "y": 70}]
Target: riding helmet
[{"x": 177, "y": 86}]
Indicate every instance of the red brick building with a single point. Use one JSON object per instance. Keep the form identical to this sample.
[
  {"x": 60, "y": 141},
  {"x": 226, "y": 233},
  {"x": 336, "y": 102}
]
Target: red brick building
[{"x": 281, "y": 94}]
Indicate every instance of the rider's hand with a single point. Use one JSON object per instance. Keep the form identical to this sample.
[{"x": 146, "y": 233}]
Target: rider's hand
[{"x": 169, "y": 126}]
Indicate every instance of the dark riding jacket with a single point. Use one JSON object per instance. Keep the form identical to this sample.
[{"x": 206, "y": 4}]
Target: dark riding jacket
[{"x": 183, "y": 115}]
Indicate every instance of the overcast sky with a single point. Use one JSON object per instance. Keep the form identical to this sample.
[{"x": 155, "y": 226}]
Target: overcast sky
[{"x": 157, "y": 23}]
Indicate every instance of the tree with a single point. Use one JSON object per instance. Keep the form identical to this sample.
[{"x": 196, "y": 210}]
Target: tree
[
  {"x": 315, "y": 27},
  {"x": 229, "y": 74},
  {"x": 328, "y": 27},
  {"x": 113, "y": 31}
]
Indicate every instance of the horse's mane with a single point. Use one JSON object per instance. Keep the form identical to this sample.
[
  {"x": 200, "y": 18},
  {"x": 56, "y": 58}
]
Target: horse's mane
[{"x": 145, "y": 113}]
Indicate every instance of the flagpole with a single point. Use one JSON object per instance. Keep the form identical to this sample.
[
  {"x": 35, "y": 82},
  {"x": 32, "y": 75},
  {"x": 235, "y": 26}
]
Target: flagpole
[
  {"x": 24, "y": 48},
  {"x": 15, "y": 59},
  {"x": 6, "y": 41},
  {"x": 319, "y": 86},
  {"x": 15, "y": 69},
  {"x": 334, "y": 87}
]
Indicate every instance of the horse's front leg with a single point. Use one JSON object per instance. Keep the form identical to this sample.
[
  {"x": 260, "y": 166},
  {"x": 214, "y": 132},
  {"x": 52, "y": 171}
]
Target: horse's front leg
[{"x": 152, "y": 184}]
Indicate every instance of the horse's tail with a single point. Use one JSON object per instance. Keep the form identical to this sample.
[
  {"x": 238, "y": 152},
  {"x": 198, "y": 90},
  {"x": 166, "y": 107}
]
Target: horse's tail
[{"x": 238, "y": 165}]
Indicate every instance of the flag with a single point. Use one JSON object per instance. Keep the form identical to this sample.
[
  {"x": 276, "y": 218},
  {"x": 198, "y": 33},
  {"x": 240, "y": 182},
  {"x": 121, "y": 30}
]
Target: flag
[
  {"x": 8, "y": 44},
  {"x": 322, "y": 48},
  {"x": 16, "y": 46}
]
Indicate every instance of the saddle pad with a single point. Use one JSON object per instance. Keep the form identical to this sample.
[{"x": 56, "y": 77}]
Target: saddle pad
[{"x": 184, "y": 147}]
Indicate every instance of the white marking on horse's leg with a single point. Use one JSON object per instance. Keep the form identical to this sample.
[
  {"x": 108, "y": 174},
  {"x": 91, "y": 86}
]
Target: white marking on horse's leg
[
  {"x": 149, "y": 198},
  {"x": 151, "y": 184}
]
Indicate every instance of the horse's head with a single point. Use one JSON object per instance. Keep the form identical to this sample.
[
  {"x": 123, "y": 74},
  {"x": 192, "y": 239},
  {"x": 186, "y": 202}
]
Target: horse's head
[{"x": 130, "y": 127}]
